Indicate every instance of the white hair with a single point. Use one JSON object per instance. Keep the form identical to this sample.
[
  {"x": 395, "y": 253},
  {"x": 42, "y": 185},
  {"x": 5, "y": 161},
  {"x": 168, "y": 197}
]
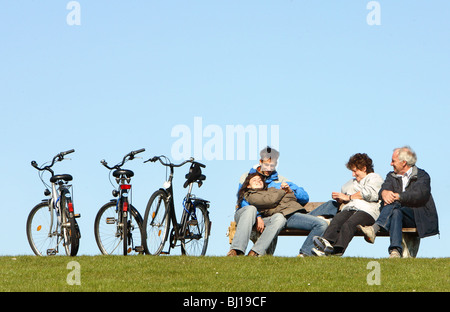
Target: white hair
[{"x": 406, "y": 153}]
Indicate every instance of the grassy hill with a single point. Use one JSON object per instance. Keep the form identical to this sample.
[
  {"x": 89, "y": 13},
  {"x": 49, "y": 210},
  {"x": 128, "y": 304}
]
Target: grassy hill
[{"x": 221, "y": 274}]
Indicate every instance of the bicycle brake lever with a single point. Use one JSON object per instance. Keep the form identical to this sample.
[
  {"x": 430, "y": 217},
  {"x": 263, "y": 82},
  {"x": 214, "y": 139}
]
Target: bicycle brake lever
[{"x": 153, "y": 159}]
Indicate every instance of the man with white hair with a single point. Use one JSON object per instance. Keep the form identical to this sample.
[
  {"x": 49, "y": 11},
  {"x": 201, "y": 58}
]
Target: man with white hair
[{"x": 407, "y": 202}]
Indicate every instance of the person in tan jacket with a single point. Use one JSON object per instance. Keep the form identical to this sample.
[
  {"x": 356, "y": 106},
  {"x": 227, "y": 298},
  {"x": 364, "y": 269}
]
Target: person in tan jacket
[
  {"x": 271, "y": 200},
  {"x": 282, "y": 202}
]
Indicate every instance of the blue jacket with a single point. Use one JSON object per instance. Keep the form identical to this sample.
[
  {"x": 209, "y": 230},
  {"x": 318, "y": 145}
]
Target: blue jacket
[{"x": 275, "y": 180}]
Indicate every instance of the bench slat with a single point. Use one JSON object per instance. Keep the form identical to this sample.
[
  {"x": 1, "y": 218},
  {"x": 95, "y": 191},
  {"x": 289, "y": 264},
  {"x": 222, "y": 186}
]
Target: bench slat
[{"x": 296, "y": 232}]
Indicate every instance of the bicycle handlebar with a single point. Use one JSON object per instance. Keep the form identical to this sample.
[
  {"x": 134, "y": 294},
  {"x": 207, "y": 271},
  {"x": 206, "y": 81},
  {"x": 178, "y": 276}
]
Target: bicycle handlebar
[
  {"x": 190, "y": 160},
  {"x": 58, "y": 157},
  {"x": 130, "y": 155}
]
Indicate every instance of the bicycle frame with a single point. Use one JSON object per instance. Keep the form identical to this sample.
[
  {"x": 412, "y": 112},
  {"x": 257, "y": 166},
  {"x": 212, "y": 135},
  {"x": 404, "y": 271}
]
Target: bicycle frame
[
  {"x": 122, "y": 202},
  {"x": 189, "y": 203},
  {"x": 123, "y": 205},
  {"x": 64, "y": 228},
  {"x": 55, "y": 203}
]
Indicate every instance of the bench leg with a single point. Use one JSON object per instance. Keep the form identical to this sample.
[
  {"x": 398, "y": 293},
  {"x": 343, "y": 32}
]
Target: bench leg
[{"x": 410, "y": 245}]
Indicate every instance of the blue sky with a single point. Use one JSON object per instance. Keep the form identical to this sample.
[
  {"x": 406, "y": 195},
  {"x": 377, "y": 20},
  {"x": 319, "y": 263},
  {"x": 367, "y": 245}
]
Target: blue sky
[{"x": 133, "y": 71}]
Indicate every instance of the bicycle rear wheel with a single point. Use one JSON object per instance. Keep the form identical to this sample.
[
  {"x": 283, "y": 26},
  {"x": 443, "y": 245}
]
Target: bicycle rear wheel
[
  {"x": 71, "y": 232},
  {"x": 109, "y": 233},
  {"x": 156, "y": 223},
  {"x": 197, "y": 232},
  {"x": 42, "y": 230}
]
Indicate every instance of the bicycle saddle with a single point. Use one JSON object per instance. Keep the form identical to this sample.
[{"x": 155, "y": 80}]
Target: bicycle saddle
[
  {"x": 120, "y": 172},
  {"x": 65, "y": 177},
  {"x": 195, "y": 174}
]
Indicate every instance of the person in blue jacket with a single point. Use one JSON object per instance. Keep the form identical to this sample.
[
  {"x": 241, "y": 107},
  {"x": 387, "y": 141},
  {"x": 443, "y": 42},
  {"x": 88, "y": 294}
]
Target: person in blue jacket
[{"x": 247, "y": 216}]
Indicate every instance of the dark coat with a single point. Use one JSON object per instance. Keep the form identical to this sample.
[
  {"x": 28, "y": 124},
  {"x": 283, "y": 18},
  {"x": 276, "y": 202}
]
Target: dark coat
[{"x": 417, "y": 195}]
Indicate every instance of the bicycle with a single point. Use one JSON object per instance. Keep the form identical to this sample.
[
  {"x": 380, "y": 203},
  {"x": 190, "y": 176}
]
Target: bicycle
[
  {"x": 194, "y": 229},
  {"x": 53, "y": 221},
  {"x": 118, "y": 222}
]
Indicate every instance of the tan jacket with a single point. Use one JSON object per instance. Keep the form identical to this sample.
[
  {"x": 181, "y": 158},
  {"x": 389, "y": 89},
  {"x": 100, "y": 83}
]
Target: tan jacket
[{"x": 273, "y": 200}]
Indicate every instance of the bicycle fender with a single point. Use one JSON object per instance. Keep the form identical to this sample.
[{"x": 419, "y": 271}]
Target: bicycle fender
[
  {"x": 165, "y": 191},
  {"x": 198, "y": 201}
]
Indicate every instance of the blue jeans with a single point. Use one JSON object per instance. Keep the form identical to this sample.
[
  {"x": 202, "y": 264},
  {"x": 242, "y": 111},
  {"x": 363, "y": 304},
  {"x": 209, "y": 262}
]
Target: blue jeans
[
  {"x": 308, "y": 222},
  {"x": 245, "y": 218},
  {"x": 311, "y": 223},
  {"x": 330, "y": 208},
  {"x": 392, "y": 218}
]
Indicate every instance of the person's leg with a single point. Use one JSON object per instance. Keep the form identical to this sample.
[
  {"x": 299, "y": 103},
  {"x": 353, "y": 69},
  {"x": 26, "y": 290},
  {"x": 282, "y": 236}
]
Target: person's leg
[
  {"x": 349, "y": 229},
  {"x": 272, "y": 227},
  {"x": 385, "y": 217},
  {"x": 383, "y": 222},
  {"x": 330, "y": 208},
  {"x": 401, "y": 216},
  {"x": 332, "y": 232},
  {"x": 245, "y": 218},
  {"x": 315, "y": 225}
]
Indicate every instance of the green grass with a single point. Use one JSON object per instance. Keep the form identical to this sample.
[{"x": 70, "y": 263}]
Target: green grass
[{"x": 221, "y": 274}]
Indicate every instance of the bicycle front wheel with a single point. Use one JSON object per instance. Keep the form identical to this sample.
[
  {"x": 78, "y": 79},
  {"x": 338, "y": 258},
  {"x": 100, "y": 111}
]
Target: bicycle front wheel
[
  {"x": 42, "y": 230},
  {"x": 109, "y": 231},
  {"x": 195, "y": 241},
  {"x": 156, "y": 223}
]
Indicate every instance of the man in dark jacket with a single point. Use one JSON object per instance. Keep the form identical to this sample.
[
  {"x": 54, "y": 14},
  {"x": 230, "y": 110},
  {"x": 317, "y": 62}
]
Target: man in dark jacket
[{"x": 407, "y": 200}]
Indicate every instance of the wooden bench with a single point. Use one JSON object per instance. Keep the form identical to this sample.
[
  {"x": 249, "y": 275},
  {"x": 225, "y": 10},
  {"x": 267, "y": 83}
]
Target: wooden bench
[{"x": 410, "y": 239}]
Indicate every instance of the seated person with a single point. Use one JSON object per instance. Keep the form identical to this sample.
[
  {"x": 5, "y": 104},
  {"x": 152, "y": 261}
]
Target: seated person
[
  {"x": 360, "y": 206},
  {"x": 274, "y": 202},
  {"x": 247, "y": 216}
]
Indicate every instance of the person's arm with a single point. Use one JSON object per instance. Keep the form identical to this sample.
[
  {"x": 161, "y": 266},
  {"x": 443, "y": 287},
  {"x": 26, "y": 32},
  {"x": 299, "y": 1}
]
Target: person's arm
[
  {"x": 259, "y": 224},
  {"x": 301, "y": 195},
  {"x": 418, "y": 193},
  {"x": 264, "y": 199},
  {"x": 370, "y": 189}
]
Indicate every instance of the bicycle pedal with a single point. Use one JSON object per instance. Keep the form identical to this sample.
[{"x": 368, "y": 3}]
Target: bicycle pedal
[
  {"x": 164, "y": 252},
  {"x": 110, "y": 220},
  {"x": 77, "y": 215},
  {"x": 192, "y": 222},
  {"x": 51, "y": 252},
  {"x": 139, "y": 248}
]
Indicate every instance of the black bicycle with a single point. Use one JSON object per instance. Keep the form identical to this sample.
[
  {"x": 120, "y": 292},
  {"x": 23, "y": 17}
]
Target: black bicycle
[
  {"x": 194, "y": 229},
  {"x": 52, "y": 222},
  {"x": 118, "y": 224}
]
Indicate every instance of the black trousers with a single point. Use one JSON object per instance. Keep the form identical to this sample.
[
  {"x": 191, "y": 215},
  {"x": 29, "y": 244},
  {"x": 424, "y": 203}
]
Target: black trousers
[{"x": 342, "y": 228}]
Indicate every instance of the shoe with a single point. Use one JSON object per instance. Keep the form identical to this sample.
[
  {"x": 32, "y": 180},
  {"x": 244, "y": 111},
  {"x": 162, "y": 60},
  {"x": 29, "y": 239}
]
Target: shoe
[
  {"x": 301, "y": 255},
  {"x": 322, "y": 244},
  {"x": 253, "y": 254},
  {"x": 234, "y": 253},
  {"x": 368, "y": 232},
  {"x": 318, "y": 253},
  {"x": 394, "y": 253}
]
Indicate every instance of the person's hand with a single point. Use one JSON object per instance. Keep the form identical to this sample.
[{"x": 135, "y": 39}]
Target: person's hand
[
  {"x": 285, "y": 187},
  {"x": 259, "y": 224},
  {"x": 340, "y": 197},
  {"x": 389, "y": 197}
]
